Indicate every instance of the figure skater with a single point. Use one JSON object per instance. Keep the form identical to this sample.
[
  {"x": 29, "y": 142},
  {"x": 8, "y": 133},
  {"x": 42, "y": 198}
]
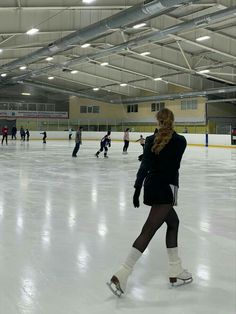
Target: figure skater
[
  {"x": 104, "y": 144},
  {"x": 160, "y": 164}
]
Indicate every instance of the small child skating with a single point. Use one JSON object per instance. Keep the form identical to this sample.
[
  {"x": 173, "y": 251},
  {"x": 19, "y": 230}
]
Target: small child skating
[
  {"x": 141, "y": 140},
  {"x": 104, "y": 144},
  {"x": 27, "y": 134}
]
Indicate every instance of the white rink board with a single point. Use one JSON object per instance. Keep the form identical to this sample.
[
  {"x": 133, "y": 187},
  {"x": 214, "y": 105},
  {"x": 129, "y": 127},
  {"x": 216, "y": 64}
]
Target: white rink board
[{"x": 197, "y": 139}]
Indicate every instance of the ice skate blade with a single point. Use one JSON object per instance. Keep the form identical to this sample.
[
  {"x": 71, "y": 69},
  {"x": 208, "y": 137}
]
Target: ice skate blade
[
  {"x": 176, "y": 282},
  {"x": 116, "y": 291}
]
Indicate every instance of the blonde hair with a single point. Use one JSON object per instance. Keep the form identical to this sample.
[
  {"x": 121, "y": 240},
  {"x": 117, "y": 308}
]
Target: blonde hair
[{"x": 166, "y": 130}]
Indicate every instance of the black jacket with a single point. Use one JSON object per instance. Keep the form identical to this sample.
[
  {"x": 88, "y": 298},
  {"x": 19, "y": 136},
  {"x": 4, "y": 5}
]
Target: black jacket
[{"x": 166, "y": 164}]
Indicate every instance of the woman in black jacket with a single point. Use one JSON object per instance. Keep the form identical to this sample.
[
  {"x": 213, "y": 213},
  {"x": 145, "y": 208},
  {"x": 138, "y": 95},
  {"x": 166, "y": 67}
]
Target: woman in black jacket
[{"x": 159, "y": 172}]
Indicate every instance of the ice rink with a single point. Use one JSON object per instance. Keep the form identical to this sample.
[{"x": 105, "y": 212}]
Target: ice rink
[{"x": 66, "y": 224}]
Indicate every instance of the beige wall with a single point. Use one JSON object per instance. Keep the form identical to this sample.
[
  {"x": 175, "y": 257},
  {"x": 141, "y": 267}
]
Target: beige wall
[
  {"x": 144, "y": 114},
  {"x": 188, "y": 116},
  {"x": 119, "y": 112},
  {"x": 107, "y": 111}
]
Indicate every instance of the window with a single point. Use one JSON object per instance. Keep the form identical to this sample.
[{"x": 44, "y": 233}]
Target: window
[
  {"x": 41, "y": 107},
  {"x": 83, "y": 109},
  {"x": 156, "y": 106},
  {"x": 3, "y": 106},
  {"x": 32, "y": 107},
  {"x": 50, "y": 107},
  {"x": 132, "y": 108},
  {"x": 96, "y": 109},
  {"x": 189, "y": 104},
  {"x": 22, "y": 107},
  {"x": 89, "y": 109}
]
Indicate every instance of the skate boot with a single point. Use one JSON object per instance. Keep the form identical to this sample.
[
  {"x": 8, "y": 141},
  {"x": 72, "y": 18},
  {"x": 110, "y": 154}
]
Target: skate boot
[
  {"x": 176, "y": 272},
  {"x": 118, "y": 281},
  {"x": 105, "y": 155},
  {"x": 96, "y": 155}
]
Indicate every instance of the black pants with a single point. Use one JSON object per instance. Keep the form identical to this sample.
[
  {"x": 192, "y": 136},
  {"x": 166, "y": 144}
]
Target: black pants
[
  {"x": 44, "y": 139},
  {"x": 76, "y": 149},
  {"x": 126, "y": 145},
  {"x": 4, "y": 136}
]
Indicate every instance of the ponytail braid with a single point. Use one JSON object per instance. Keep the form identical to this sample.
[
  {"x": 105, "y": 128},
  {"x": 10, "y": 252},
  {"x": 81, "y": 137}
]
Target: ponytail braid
[{"x": 164, "y": 135}]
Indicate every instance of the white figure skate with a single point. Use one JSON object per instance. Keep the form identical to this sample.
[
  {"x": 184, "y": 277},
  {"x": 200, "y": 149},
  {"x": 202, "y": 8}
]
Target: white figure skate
[
  {"x": 176, "y": 272},
  {"x": 118, "y": 281}
]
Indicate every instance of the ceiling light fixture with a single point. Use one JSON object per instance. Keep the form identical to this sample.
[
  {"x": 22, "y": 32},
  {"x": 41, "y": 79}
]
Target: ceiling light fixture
[
  {"x": 86, "y": 45},
  {"x": 139, "y": 25},
  {"x": 95, "y": 89},
  {"x": 203, "y": 71},
  {"x": 73, "y": 71},
  {"x": 103, "y": 64},
  {"x": 49, "y": 58},
  {"x": 145, "y": 53},
  {"x": 23, "y": 67},
  {"x": 25, "y": 94},
  {"x": 3, "y": 75},
  {"x": 203, "y": 38},
  {"x": 123, "y": 84},
  {"x": 88, "y": 1},
  {"x": 157, "y": 79},
  {"x": 1, "y": 50},
  {"x": 51, "y": 78},
  {"x": 32, "y": 31}
]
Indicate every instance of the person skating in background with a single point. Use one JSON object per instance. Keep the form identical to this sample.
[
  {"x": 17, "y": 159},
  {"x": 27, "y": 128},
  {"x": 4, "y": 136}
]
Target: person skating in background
[
  {"x": 141, "y": 140},
  {"x": 4, "y": 134},
  {"x": 13, "y": 132},
  {"x": 70, "y": 133},
  {"x": 22, "y": 134},
  {"x": 160, "y": 170},
  {"x": 126, "y": 141},
  {"x": 27, "y": 134},
  {"x": 78, "y": 141},
  {"x": 104, "y": 144},
  {"x": 44, "y": 136}
]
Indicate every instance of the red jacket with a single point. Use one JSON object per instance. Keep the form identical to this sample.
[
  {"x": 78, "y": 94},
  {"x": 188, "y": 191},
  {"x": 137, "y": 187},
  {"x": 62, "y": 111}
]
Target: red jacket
[{"x": 4, "y": 131}]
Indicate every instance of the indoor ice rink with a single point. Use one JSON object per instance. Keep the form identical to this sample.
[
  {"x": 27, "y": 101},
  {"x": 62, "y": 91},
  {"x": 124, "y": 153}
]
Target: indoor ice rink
[{"x": 66, "y": 225}]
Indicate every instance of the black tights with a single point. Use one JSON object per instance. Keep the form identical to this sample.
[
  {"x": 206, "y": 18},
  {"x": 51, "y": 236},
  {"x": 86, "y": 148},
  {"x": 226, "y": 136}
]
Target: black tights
[{"x": 157, "y": 216}]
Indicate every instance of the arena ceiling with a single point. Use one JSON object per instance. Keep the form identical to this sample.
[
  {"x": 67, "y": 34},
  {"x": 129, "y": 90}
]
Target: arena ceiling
[{"x": 183, "y": 45}]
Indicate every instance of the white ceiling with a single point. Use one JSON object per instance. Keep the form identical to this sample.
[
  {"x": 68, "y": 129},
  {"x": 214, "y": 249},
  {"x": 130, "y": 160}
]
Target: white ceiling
[{"x": 176, "y": 58}]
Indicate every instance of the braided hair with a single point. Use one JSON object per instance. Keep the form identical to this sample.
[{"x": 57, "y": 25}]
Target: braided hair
[{"x": 166, "y": 130}]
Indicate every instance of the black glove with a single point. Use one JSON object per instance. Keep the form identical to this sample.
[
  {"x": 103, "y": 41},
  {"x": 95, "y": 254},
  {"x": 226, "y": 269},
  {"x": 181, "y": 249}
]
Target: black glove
[
  {"x": 140, "y": 157},
  {"x": 136, "y": 197}
]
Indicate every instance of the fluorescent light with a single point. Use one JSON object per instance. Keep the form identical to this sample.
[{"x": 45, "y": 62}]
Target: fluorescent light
[
  {"x": 145, "y": 53},
  {"x": 203, "y": 71},
  {"x": 25, "y": 94},
  {"x": 51, "y": 78},
  {"x": 23, "y": 67},
  {"x": 88, "y": 1},
  {"x": 157, "y": 79},
  {"x": 73, "y": 71},
  {"x": 123, "y": 84},
  {"x": 104, "y": 64},
  {"x": 3, "y": 75},
  {"x": 203, "y": 38},
  {"x": 32, "y": 31},
  {"x": 85, "y": 45},
  {"x": 1, "y": 50},
  {"x": 139, "y": 25},
  {"x": 49, "y": 58},
  {"x": 95, "y": 89}
]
